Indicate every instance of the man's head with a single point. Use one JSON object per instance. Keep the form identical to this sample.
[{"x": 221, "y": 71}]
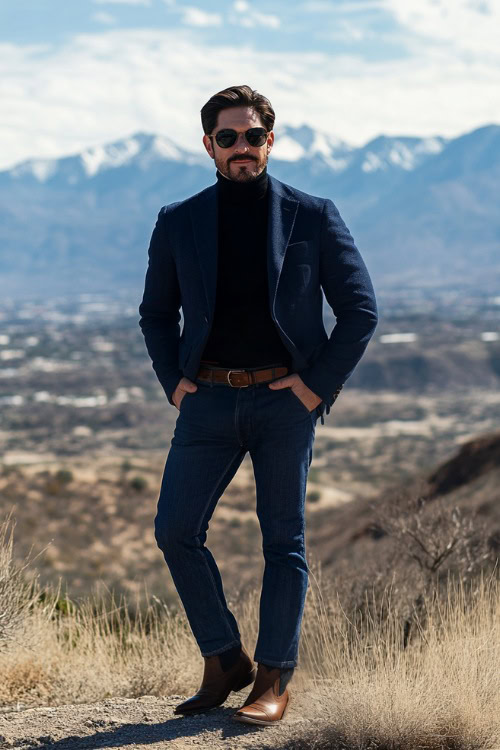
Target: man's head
[{"x": 238, "y": 109}]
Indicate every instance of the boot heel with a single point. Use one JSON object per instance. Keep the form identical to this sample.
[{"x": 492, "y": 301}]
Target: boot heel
[{"x": 245, "y": 681}]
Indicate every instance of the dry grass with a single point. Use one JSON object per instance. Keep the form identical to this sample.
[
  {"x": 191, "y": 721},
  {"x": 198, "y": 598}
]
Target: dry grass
[
  {"x": 441, "y": 691},
  {"x": 369, "y": 690},
  {"x": 15, "y": 601}
]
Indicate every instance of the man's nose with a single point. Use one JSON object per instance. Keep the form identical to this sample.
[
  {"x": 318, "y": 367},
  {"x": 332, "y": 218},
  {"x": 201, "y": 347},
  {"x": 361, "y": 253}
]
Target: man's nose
[{"x": 241, "y": 141}]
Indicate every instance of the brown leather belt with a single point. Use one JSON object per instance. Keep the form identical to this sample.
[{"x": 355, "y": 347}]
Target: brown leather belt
[{"x": 240, "y": 378}]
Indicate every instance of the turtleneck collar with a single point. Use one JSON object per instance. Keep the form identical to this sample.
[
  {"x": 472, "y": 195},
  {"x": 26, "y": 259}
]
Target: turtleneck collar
[{"x": 242, "y": 192}]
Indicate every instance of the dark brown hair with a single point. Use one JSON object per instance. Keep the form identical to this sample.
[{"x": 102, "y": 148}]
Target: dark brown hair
[{"x": 236, "y": 96}]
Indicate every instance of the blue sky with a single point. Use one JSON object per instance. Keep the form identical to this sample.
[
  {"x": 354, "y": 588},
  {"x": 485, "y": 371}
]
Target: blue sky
[
  {"x": 77, "y": 73},
  {"x": 353, "y": 27}
]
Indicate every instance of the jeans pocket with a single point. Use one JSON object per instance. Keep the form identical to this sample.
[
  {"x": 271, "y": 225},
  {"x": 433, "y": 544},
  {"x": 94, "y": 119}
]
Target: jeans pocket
[
  {"x": 296, "y": 398},
  {"x": 186, "y": 394}
]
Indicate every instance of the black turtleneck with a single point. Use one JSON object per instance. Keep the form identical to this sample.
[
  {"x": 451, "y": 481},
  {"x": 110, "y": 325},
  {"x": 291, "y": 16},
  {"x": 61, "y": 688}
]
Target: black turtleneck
[{"x": 243, "y": 333}]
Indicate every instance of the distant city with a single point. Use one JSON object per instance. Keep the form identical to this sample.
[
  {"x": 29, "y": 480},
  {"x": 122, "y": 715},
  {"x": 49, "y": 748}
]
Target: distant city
[{"x": 94, "y": 334}]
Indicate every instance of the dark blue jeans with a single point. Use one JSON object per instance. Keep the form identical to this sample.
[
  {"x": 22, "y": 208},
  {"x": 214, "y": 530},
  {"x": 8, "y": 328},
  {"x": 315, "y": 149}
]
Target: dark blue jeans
[{"x": 215, "y": 428}]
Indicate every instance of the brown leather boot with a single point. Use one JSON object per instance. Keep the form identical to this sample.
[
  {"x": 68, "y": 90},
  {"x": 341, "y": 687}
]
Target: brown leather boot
[
  {"x": 264, "y": 704},
  {"x": 217, "y": 684}
]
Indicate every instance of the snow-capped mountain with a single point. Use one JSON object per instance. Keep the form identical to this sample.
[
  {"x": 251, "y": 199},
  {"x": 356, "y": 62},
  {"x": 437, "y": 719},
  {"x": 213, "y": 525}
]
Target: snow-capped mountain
[
  {"x": 419, "y": 208},
  {"x": 294, "y": 144},
  {"x": 382, "y": 153},
  {"x": 141, "y": 151}
]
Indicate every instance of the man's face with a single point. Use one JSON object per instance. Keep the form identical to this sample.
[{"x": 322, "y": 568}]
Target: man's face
[{"x": 240, "y": 162}]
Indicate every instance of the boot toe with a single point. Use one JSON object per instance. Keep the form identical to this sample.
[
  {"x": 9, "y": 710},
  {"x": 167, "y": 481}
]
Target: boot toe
[
  {"x": 198, "y": 702},
  {"x": 258, "y": 714},
  {"x": 253, "y": 713},
  {"x": 189, "y": 706}
]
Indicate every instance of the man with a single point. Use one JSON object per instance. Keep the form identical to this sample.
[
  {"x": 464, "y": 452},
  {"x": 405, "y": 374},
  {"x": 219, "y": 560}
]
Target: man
[{"x": 247, "y": 260}]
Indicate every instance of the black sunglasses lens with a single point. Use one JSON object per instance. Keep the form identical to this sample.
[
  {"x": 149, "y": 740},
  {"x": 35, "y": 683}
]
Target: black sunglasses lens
[
  {"x": 226, "y": 138},
  {"x": 256, "y": 136}
]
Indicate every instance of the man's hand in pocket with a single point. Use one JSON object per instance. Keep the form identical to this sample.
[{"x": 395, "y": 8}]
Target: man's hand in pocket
[
  {"x": 183, "y": 386},
  {"x": 295, "y": 382}
]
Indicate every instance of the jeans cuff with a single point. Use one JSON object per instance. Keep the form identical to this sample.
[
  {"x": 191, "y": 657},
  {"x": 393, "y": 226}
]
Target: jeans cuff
[
  {"x": 222, "y": 649},
  {"x": 272, "y": 663}
]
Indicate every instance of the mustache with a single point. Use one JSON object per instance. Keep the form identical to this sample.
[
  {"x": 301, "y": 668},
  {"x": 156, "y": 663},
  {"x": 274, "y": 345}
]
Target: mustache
[{"x": 239, "y": 158}]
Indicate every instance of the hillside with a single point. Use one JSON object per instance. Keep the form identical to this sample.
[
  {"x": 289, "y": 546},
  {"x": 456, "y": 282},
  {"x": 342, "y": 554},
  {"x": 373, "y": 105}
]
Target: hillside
[
  {"x": 361, "y": 533},
  {"x": 386, "y": 678},
  {"x": 98, "y": 523}
]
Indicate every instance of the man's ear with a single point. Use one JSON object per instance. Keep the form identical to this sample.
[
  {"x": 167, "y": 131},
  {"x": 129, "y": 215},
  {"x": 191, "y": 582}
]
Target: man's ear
[
  {"x": 270, "y": 141},
  {"x": 207, "y": 142}
]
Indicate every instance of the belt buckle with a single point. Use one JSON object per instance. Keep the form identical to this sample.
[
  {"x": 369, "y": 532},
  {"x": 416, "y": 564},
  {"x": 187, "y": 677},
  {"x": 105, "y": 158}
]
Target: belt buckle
[{"x": 229, "y": 379}]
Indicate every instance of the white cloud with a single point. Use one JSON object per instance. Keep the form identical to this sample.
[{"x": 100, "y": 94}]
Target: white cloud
[
  {"x": 102, "y": 17},
  {"x": 317, "y": 6},
  {"x": 347, "y": 31},
  {"x": 196, "y": 17},
  {"x": 245, "y": 15},
  {"x": 147, "y": 3},
  {"x": 103, "y": 86},
  {"x": 349, "y": 6},
  {"x": 466, "y": 27},
  {"x": 266, "y": 19}
]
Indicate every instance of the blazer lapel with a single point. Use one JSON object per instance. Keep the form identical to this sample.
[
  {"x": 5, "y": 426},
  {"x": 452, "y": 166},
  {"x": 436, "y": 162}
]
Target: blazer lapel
[
  {"x": 204, "y": 221},
  {"x": 282, "y": 213}
]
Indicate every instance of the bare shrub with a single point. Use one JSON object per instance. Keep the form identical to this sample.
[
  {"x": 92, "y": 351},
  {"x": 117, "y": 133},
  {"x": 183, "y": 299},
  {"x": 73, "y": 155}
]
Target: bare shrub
[
  {"x": 429, "y": 532},
  {"x": 138, "y": 483},
  {"x": 15, "y": 596},
  {"x": 65, "y": 476},
  {"x": 425, "y": 542}
]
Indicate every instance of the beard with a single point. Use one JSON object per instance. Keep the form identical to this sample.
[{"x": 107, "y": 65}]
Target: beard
[{"x": 244, "y": 173}]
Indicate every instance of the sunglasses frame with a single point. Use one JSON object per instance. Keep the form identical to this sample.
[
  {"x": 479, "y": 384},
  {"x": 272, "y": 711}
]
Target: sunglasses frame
[{"x": 222, "y": 130}]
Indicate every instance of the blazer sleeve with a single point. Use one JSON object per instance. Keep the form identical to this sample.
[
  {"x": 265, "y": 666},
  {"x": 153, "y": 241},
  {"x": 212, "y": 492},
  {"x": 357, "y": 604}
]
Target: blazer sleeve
[
  {"x": 349, "y": 292},
  {"x": 160, "y": 309}
]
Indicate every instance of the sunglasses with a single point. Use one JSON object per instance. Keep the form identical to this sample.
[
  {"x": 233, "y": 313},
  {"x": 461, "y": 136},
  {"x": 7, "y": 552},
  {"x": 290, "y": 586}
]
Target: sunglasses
[{"x": 227, "y": 137}]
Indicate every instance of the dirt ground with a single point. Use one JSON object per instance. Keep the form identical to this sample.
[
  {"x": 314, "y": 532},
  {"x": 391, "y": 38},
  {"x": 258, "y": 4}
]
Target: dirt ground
[{"x": 150, "y": 723}]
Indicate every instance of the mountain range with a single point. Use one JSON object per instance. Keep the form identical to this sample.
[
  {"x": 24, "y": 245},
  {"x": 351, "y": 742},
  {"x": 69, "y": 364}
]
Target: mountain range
[{"x": 423, "y": 211}]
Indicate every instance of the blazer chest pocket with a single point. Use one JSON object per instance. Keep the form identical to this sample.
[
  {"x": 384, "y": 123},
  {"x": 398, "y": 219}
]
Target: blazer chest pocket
[
  {"x": 297, "y": 269},
  {"x": 298, "y": 248}
]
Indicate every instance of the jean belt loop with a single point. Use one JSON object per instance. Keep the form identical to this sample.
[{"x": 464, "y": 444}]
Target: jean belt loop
[{"x": 274, "y": 373}]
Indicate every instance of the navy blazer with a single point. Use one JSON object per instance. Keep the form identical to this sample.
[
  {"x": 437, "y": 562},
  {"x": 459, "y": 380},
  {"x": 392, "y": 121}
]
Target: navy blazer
[{"x": 309, "y": 249}]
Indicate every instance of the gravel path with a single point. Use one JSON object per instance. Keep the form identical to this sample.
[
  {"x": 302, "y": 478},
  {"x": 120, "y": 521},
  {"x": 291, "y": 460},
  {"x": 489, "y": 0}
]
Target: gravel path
[{"x": 147, "y": 722}]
